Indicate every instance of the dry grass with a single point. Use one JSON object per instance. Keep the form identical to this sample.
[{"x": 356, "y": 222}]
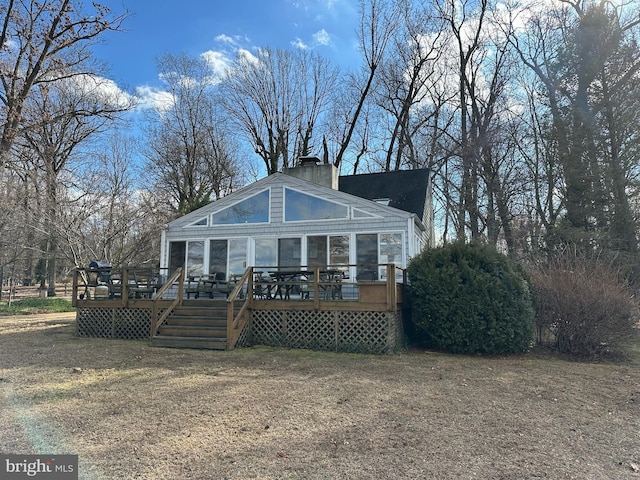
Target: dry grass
[{"x": 130, "y": 411}]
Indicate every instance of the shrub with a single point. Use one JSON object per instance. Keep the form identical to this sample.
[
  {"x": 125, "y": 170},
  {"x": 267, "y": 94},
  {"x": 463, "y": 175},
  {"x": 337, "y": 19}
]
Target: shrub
[
  {"x": 470, "y": 299},
  {"x": 583, "y": 308}
]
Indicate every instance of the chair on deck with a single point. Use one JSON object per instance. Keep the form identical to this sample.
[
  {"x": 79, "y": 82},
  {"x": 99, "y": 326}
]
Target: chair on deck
[
  {"x": 115, "y": 286},
  {"x": 202, "y": 285},
  {"x": 331, "y": 284},
  {"x": 140, "y": 285},
  {"x": 231, "y": 285},
  {"x": 207, "y": 285},
  {"x": 192, "y": 286}
]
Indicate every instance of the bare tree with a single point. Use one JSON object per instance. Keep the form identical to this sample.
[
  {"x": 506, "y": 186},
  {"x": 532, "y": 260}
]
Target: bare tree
[
  {"x": 99, "y": 225},
  {"x": 276, "y": 99},
  {"x": 586, "y": 58},
  {"x": 378, "y": 22},
  {"x": 406, "y": 78},
  {"x": 19, "y": 224},
  {"x": 191, "y": 154},
  {"x": 40, "y": 43},
  {"x": 64, "y": 116}
]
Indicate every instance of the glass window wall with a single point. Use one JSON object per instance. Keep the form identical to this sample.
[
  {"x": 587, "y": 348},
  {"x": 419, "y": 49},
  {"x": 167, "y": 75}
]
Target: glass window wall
[
  {"x": 218, "y": 258},
  {"x": 266, "y": 252},
  {"x": 177, "y": 255},
  {"x": 289, "y": 252},
  {"x": 317, "y": 251},
  {"x": 195, "y": 258},
  {"x": 367, "y": 256},
  {"x": 237, "y": 256}
]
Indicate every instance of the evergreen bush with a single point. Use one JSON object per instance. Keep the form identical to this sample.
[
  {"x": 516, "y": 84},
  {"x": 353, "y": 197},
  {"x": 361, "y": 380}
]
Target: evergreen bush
[{"x": 468, "y": 298}]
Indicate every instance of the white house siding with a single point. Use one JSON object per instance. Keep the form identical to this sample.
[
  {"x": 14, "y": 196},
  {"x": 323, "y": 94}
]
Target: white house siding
[{"x": 387, "y": 220}]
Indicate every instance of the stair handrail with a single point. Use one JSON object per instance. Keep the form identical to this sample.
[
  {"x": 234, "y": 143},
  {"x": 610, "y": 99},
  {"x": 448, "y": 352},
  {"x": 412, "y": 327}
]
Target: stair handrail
[
  {"x": 155, "y": 321},
  {"x": 236, "y": 323}
]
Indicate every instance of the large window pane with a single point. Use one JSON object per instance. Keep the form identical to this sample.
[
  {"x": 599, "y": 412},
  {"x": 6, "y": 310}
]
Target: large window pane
[
  {"x": 367, "y": 256},
  {"x": 289, "y": 250},
  {"x": 339, "y": 250},
  {"x": 300, "y": 206},
  {"x": 391, "y": 248},
  {"x": 177, "y": 253},
  {"x": 237, "y": 256},
  {"x": 195, "y": 258},
  {"x": 317, "y": 251},
  {"x": 218, "y": 258},
  {"x": 266, "y": 252},
  {"x": 391, "y": 252},
  {"x": 251, "y": 210}
]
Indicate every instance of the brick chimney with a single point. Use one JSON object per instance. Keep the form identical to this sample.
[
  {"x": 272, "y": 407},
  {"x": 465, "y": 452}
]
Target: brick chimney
[{"x": 312, "y": 170}]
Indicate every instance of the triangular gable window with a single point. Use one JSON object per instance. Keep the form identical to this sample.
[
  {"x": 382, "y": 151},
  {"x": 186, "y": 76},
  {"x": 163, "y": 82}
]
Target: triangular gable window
[
  {"x": 300, "y": 206},
  {"x": 200, "y": 223},
  {"x": 254, "y": 209},
  {"x": 362, "y": 214}
]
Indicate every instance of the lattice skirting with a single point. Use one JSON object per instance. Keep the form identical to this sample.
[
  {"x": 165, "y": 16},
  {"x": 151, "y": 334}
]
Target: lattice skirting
[
  {"x": 128, "y": 323},
  {"x": 341, "y": 331}
]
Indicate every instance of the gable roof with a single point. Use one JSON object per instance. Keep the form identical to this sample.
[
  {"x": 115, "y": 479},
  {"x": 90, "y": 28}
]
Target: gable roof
[
  {"x": 406, "y": 189},
  {"x": 281, "y": 179}
]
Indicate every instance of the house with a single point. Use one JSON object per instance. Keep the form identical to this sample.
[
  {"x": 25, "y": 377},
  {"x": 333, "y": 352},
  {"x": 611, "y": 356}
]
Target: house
[
  {"x": 304, "y": 217},
  {"x": 302, "y": 258}
]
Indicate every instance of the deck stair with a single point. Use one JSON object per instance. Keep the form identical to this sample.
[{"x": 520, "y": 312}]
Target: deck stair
[{"x": 196, "y": 324}]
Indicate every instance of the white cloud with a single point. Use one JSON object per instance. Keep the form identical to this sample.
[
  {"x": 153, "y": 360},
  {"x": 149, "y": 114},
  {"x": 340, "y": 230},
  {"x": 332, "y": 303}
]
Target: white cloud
[
  {"x": 153, "y": 98},
  {"x": 322, "y": 37},
  {"x": 234, "y": 41},
  {"x": 225, "y": 39},
  {"x": 298, "y": 43},
  {"x": 248, "y": 56},
  {"x": 98, "y": 89},
  {"x": 218, "y": 61}
]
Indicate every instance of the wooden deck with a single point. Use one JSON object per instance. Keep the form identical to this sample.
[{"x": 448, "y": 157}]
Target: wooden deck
[{"x": 312, "y": 312}]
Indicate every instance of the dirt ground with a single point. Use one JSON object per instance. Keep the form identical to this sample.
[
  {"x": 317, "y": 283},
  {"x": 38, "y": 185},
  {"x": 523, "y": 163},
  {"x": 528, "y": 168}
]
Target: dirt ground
[{"x": 134, "y": 412}]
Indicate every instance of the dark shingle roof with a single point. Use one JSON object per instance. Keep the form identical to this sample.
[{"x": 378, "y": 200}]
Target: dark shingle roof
[{"x": 406, "y": 189}]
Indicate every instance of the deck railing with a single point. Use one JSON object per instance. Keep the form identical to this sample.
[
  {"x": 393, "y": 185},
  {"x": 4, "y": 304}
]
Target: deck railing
[
  {"x": 156, "y": 323},
  {"x": 373, "y": 283},
  {"x": 118, "y": 285},
  {"x": 331, "y": 284},
  {"x": 354, "y": 288},
  {"x": 237, "y": 321}
]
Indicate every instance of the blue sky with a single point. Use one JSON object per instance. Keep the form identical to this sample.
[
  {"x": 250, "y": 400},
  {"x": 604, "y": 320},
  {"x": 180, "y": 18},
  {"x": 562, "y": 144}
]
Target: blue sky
[{"x": 198, "y": 26}]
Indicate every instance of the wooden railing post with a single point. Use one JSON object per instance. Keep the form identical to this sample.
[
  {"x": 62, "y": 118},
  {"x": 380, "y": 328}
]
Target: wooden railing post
[
  {"x": 125, "y": 287},
  {"x": 316, "y": 288},
  {"x": 391, "y": 288},
  {"x": 154, "y": 315},
  {"x": 181, "y": 286}
]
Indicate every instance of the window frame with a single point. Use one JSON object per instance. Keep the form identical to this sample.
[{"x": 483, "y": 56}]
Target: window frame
[
  {"x": 284, "y": 207},
  {"x": 211, "y": 215}
]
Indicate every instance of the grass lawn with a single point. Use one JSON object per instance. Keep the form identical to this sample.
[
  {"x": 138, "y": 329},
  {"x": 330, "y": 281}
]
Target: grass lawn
[
  {"x": 30, "y": 306},
  {"x": 134, "y": 412}
]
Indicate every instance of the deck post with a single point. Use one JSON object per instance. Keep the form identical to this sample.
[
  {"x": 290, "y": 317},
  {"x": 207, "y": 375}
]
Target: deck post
[
  {"x": 125, "y": 287},
  {"x": 391, "y": 288},
  {"x": 181, "y": 286},
  {"x": 316, "y": 288}
]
